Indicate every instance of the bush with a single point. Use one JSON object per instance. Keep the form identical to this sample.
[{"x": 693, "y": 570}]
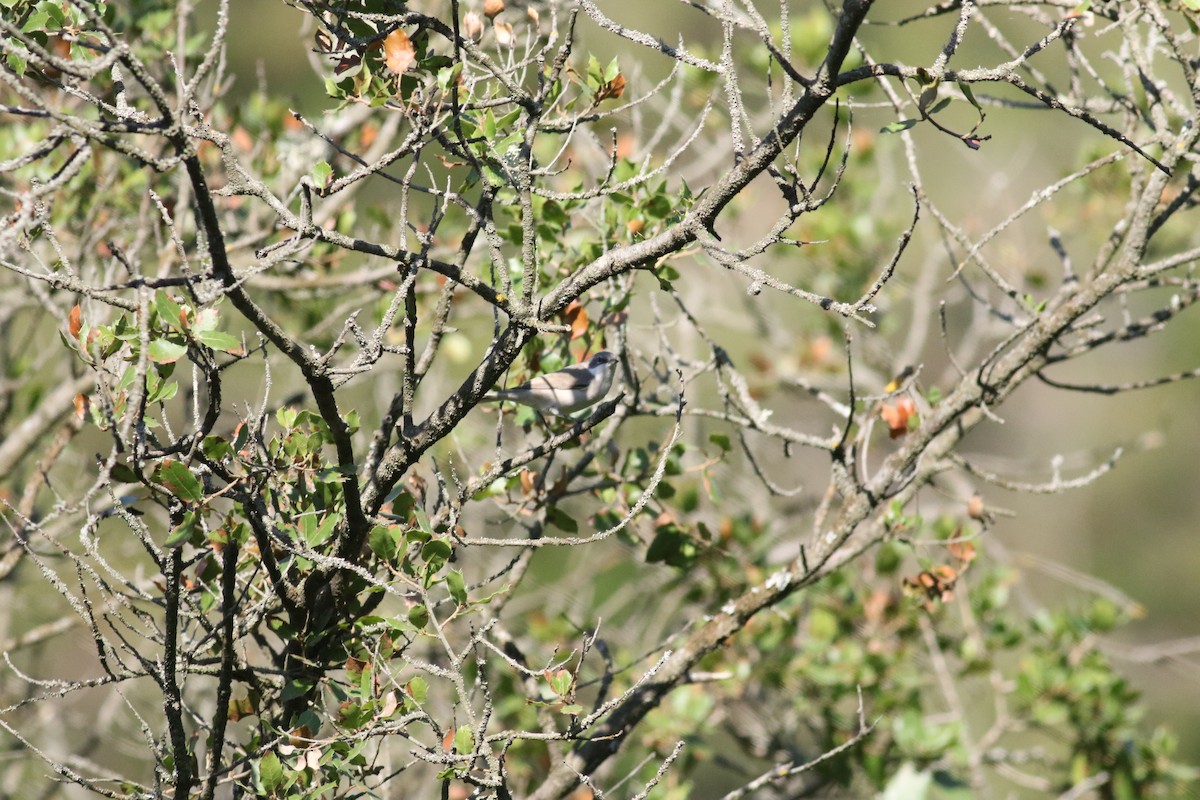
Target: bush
[{"x": 272, "y": 535}]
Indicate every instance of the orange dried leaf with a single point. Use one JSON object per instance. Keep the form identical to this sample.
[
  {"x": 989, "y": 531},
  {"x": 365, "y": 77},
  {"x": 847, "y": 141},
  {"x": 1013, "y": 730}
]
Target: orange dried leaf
[
  {"x": 242, "y": 139},
  {"x": 626, "y": 145},
  {"x": 945, "y": 573},
  {"x": 75, "y": 321},
  {"x": 962, "y": 551},
  {"x": 975, "y": 507},
  {"x": 579, "y": 323},
  {"x": 898, "y": 415},
  {"x": 818, "y": 352},
  {"x": 492, "y": 7},
  {"x": 367, "y": 135},
  {"x": 398, "y": 52},
  {"x": 875, "y": 606}
]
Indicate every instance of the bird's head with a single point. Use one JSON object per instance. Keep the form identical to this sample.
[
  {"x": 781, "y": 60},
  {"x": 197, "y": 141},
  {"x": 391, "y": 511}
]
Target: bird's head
[{"x": 601, "y": 360}]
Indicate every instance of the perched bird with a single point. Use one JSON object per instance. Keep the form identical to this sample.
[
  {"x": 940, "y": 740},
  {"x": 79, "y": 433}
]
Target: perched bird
[{"x": 566, "y": 391}]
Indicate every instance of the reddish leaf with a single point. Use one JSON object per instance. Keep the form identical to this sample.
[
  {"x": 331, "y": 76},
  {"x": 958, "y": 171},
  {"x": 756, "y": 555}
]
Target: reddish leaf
[{"x": 75, "y": 321}]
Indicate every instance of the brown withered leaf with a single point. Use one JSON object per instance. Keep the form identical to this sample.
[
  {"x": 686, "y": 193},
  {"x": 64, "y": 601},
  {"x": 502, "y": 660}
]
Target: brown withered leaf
[
  {"x": 75, "y": 321},
  {"x": 398, "y": 52},
  {"x": 472, "y": 26},
  {"x": 492, "y": 7},
  {"x": 611, "y": 90},
  {"x": 577, "y": 317},
  {"x": 936, "y": 584},
  {"x": 528, "y": 481},
  {"x": 504, "y": 34}
]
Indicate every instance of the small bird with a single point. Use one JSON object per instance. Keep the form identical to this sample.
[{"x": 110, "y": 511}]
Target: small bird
[{"x": 566, "y": 391}]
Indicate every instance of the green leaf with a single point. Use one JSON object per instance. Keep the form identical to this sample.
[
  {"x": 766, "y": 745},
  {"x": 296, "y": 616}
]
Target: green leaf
[
  {"x": 170, "y": 312},
  {"x": 417, "y": 689},
  {"x": 17, "y": 62},
  {"x": 897, "y": 127},
  {"x": 436, "y": 550},
  {"x": 124, "y": 474},
  {"x": 384, "y": 540},
  {"x": 673, "y": 547},
  {"x": 721, "y": 441},
  {"x": 508, "y": 119},
  {"x": 286, "y": 417},
  {"x": 612, "y": 70},
  {"x": 165, "y": 351},
  {"x": 457, "y": 586},
  {"x": 908, "y": 784},
  {"x": 658, "y": 206},
  {"x": 449, "y": 76},
  {"x": 418, "y": 616},
  {"x": 464, "y": 740},
  {"x": 216, "y": 448},
  {"x": 316, "y": 534},
  {"x": 218, "y": 340},
  {"x": 179, "y": 481},
  {"x": 561, "y": 520},
  {"x": 205, "y": 320},
  {"x": 184, "y": 531},
  {"x": 928, "y": 95},
  {"x": 321, "y": 172},
  {"x": 965, "y": 88},
  {"x": 163, "y": 392},
  {"x": 270, "y": 772},
  {"x": 561, "y": 681}
]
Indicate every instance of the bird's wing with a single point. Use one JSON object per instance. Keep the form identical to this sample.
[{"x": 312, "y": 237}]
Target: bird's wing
[{"x": 576, "y": 377}]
